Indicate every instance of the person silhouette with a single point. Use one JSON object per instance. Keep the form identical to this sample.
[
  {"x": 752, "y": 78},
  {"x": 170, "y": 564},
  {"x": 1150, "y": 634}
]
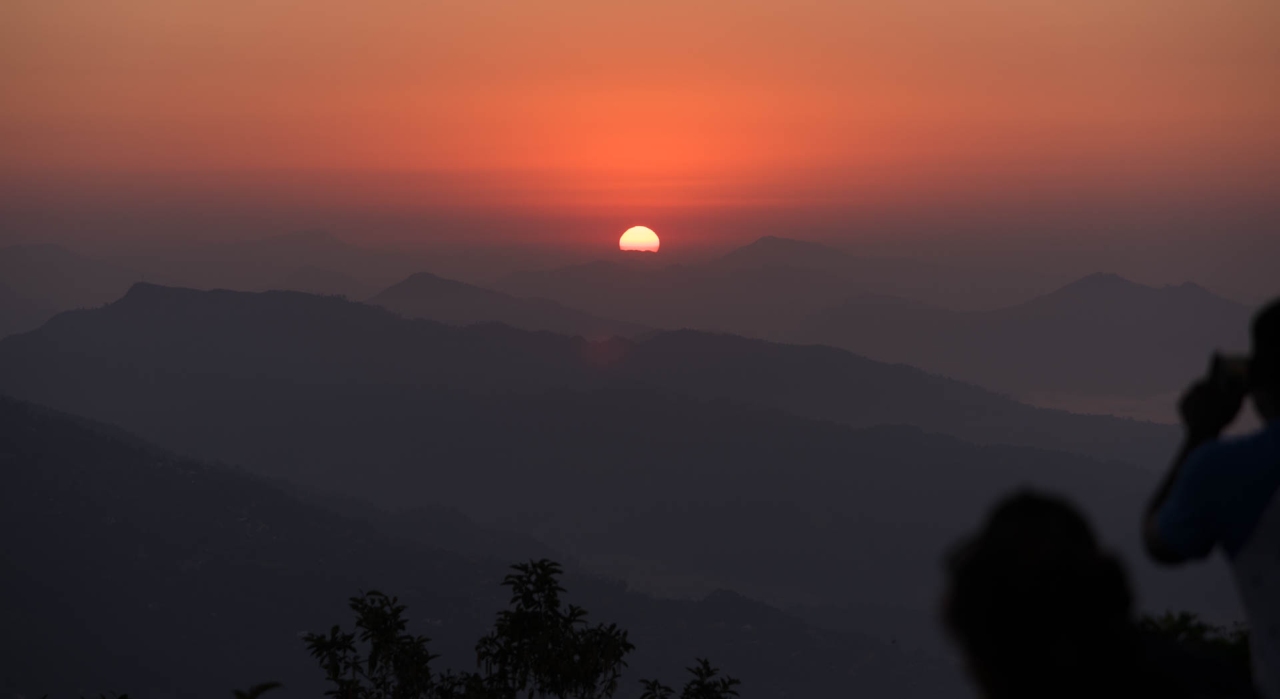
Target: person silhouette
[
  {"x": 1039, "y": 609},
  {"x": 1225, "y": 492}
]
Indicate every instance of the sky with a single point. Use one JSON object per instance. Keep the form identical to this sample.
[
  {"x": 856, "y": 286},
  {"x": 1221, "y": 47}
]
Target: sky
[{"x": 513, "y": 120}]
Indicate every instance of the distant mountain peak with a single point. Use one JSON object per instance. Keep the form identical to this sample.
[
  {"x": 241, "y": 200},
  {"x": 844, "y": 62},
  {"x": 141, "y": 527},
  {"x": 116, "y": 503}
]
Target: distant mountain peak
[
  {"x": 420, "y": 286},
  {"x": 143, "y": 290},
  {"x": 1111, "y": 295},
  {"x": 154, "y": 295},
  {"x": 779, "y": 240},
  {"x": 422, "y": 278},
  {"x": 425, "y": 295},
  {"x": 1190, "y": 288},
  {"x": 1109, "y": 284},
  {"x": 776, "y": 250},
  {"x": 145, "y": 299},
  {"x": 1099, "y": 286}
]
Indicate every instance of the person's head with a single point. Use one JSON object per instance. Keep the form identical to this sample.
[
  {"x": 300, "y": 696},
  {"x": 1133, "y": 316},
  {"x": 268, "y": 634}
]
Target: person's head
[
  {"x": 1037, "y": 608},
  {"x": 1264, "y": 365}
]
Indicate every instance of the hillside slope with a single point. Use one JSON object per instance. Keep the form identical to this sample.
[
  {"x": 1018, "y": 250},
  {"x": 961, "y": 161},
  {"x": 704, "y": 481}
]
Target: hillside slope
[{"x": 126, "y": 568}]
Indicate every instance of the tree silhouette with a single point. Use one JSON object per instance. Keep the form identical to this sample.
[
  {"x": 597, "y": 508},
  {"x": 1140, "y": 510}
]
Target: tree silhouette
[
  {"x": 539, "y": 647},
  {"x": 396, "y": 664},
  {"x": 705, "y": 684},
  {"x": 1190, "y": 631}
]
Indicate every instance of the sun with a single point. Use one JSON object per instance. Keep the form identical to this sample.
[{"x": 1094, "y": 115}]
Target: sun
[{"x": 639, "y": 238}]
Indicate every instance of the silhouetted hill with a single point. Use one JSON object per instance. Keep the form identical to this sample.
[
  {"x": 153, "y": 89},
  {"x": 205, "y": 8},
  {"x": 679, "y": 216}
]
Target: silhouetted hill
[
  {"x": 1101, "y": 335},
  {"x": 773, "y": 251},
  {"x": 430, "y": 297},
  {"x": 1114, "y": 299},
  {"x": 156, "y": 332},
  {"x": 761, "y": 289},
  {"x": 728, "y": 297},
  {"x": 666, "y": 460},
  {"x": 51, "y": 279},
  {"x": 832, "y": 384},
  {"x": 126, "y": 568}
]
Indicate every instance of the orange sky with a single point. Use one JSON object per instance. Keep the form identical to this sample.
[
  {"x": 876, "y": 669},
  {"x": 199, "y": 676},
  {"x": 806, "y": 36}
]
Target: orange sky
[{"x": 584, "y": 105}]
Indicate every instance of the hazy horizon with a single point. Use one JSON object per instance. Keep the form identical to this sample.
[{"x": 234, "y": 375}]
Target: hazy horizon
[{"x": 1135, "y": 138}]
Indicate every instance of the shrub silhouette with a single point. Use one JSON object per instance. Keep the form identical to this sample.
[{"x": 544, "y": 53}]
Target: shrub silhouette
[
  {"x": 545, "y": 650},
  {"x": 397, "y": 664},
  {"x": 539, "y": 647},
  {"x": 705, "y": 684},
  {"x": 1188, "y": 630}
]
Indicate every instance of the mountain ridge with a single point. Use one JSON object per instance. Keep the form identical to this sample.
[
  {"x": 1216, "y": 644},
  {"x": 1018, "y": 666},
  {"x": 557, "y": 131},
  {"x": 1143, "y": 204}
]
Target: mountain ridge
[
  {"x": 431, "y": 297},
  {"x": 320, "y": 338},
  {"x": 1102, "y": 334},
  {"x": 631, "y": 456}
]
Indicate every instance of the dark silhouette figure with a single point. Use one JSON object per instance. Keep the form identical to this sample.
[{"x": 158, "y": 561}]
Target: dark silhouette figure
[
  {"x": 1225, "y": 492},
  {"x": 1040, "y": 610}
]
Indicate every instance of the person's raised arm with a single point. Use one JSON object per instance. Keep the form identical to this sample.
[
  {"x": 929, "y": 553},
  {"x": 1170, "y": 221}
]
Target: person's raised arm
[{"x": 1206, "y": 409}]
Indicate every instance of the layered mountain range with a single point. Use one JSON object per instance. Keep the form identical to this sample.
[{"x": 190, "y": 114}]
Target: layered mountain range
[{"x": 681, "y": 462}]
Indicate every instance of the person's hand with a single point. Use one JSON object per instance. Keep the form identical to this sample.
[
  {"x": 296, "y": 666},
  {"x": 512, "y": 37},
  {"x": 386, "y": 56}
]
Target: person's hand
[{"x": 1208, "y": 407}]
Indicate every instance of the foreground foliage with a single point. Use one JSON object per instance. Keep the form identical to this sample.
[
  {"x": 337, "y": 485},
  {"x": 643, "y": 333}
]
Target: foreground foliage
[
  {"x": 1190, "y": 631},
  {"x": 539, "y": 647}
]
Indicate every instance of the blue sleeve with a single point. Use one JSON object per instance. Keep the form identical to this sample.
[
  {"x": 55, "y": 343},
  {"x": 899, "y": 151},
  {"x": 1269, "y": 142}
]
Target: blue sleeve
[{"x": 1189, "y": 522}]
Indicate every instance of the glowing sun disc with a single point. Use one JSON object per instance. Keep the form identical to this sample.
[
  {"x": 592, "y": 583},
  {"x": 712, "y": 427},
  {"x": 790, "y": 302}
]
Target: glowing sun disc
[{"x": 641, "y": 238}]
